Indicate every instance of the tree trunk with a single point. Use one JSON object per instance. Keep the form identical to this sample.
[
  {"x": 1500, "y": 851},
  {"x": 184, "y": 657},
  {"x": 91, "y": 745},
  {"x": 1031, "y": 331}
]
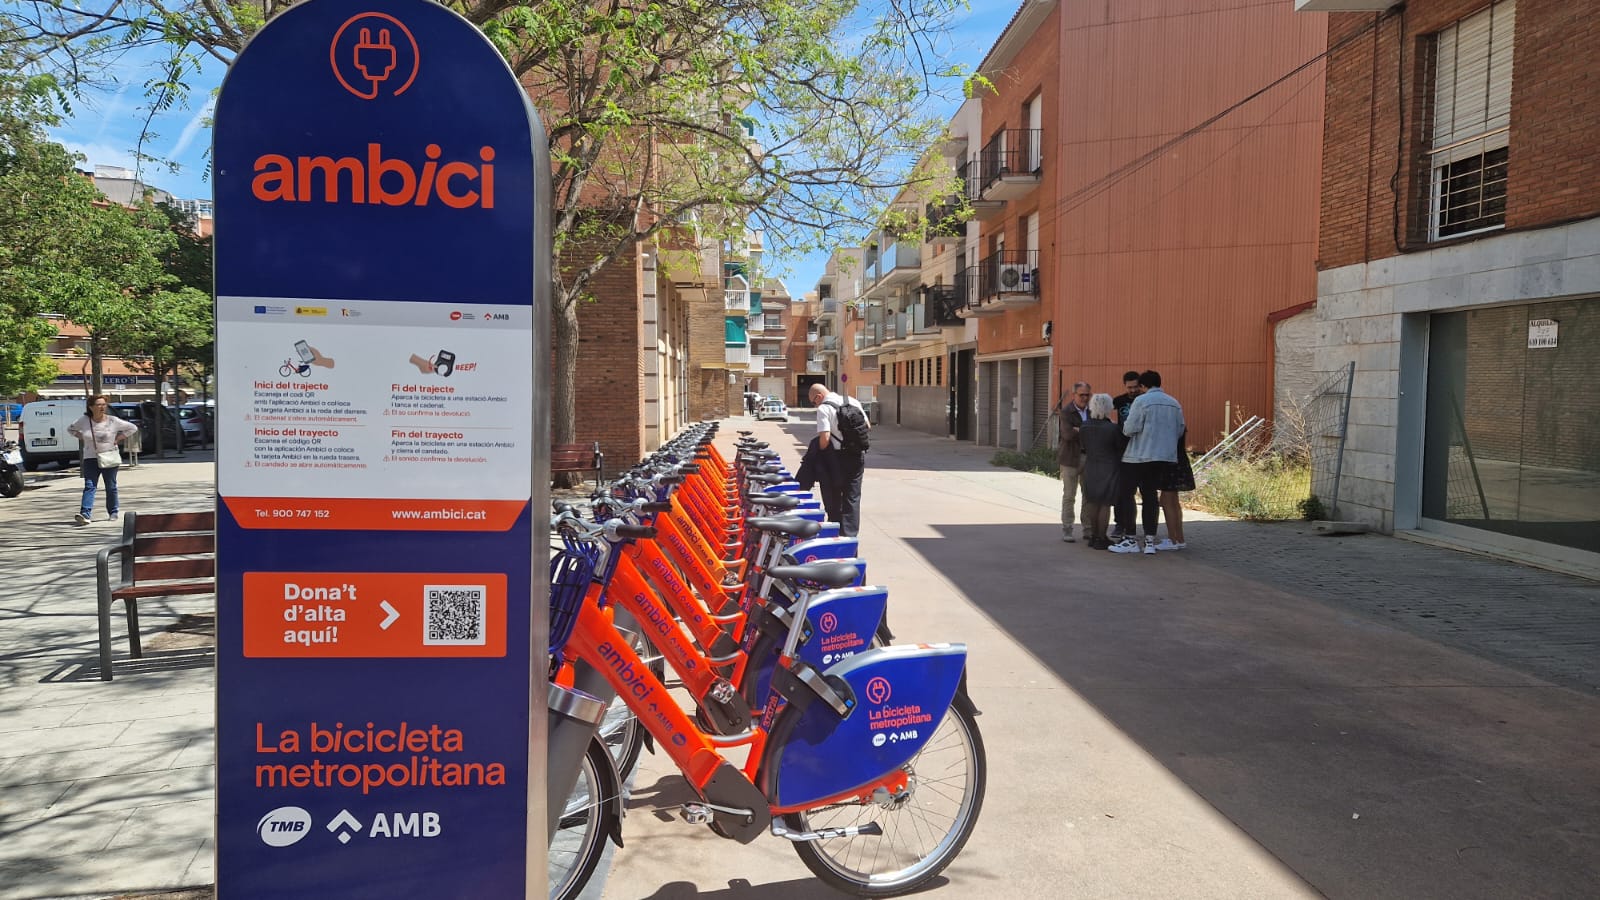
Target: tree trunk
[
  {"x": 159, "y": 411},
  {"x": 96, "y": 366},
  {"x": 564, "y": 396}
]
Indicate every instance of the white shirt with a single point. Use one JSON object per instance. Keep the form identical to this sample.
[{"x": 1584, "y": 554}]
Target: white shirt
[{"x": 828, "y": 417}]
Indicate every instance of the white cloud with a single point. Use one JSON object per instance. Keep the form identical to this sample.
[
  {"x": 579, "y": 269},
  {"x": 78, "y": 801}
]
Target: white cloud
[
  {"x": 99, "y": 153},
  {"x": 192, "y": 128}
]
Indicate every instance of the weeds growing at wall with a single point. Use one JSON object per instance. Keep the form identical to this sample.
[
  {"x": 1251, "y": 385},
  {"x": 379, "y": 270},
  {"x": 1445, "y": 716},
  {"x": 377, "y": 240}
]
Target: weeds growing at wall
[
  {"x": 1254, "y": 487},
  {"x": 1040, "y": 459}
]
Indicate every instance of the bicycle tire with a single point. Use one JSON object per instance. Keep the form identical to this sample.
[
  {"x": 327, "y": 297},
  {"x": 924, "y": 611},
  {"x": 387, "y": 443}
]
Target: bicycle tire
[
  {"x": 827, "y": 858},
  {"x": 586, "y": 822}
]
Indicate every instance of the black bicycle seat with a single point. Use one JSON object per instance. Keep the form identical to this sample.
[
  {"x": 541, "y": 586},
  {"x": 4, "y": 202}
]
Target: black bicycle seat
[
  {"x": 775, "y": 501},
  {"x": 829, "y": 574},
  {"x": 800, "y": 528},
  {"x": 766, "y": 477}
]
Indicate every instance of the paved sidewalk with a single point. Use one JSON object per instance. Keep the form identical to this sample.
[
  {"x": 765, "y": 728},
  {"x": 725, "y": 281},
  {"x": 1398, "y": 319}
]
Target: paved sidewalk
[
  {"x": 104, "y": 787},
  {"x": 1267, "y": 714},
  {"x": 1264, "y": 710}
]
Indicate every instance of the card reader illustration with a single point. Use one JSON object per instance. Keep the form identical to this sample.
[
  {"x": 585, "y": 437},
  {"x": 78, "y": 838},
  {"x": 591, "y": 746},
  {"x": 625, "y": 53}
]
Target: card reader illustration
[{"x": 442, "y": 363}]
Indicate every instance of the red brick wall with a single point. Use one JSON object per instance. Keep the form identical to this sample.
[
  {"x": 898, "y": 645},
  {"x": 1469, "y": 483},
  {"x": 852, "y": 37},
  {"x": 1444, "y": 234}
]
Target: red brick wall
[
  {"x": 1555, "y": 122},
  {"x": 610, "y": 395}
]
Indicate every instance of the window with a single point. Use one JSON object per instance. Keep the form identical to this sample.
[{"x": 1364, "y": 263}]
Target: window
[
  {"x": 1470, "y": 129},
  {"x": 772, "y": 320},
  {"x": 883, "y": 374},
  {"x": 938, "y": 370},
  {"x": 824, "y": 292}
]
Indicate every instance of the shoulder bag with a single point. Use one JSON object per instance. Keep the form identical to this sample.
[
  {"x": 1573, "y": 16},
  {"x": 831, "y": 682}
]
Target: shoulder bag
[{"x": 107, "y": 459}]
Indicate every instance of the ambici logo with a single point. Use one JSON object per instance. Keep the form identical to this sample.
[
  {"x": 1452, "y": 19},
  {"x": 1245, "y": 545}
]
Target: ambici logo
[
  {"x": 829, "y": 622},
  {"x": 284, "y": 826},
  {"x": 375, "y": 180},
  {"x": 878, "y": 690}
]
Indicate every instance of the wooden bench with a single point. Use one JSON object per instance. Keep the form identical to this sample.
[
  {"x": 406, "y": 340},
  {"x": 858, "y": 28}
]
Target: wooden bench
[
  {"x": 163, "y": 555},
  {"x": 578, "y": 458}
]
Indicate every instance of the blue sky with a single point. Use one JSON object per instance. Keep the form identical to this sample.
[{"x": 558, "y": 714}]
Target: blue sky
[{"x": 105, "y": 124}]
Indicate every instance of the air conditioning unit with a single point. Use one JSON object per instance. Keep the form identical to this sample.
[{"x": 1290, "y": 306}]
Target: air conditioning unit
[{"x": 1016, "y": 278}]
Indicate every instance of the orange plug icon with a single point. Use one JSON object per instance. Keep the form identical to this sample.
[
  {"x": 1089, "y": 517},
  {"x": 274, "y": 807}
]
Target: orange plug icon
[{"x": 375, "y": 61}]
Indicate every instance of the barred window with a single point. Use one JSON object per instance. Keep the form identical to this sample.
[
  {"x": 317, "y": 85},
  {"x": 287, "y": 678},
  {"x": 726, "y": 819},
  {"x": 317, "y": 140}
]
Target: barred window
[{"x": 1469, "y": 152}]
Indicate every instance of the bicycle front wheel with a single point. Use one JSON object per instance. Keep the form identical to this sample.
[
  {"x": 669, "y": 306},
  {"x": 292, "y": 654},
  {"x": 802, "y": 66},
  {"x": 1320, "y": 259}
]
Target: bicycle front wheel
[
  {"x": 923, "y": 828},
  {"x": 586, "y": 820}
]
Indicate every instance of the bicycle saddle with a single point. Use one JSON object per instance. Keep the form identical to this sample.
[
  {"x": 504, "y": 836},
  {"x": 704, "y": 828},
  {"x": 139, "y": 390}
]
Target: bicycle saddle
[
  {"x": 774, "y": 501},
  {"x": 800, "y": 528},
  {"x": 829, "y": 574},
  {"x": 766, "y": 478}
]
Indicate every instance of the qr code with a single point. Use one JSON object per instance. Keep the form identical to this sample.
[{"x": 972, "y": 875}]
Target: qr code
[{"x": 455, "y": 615}]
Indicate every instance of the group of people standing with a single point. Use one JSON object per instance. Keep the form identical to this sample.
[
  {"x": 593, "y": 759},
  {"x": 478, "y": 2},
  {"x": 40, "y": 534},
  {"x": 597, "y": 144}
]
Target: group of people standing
[{"x": 1142, "y": 450}]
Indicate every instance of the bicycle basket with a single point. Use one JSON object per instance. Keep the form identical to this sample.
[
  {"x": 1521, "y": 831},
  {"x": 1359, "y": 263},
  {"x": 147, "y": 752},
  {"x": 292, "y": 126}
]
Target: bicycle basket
[{"x": 571, "y": 570}]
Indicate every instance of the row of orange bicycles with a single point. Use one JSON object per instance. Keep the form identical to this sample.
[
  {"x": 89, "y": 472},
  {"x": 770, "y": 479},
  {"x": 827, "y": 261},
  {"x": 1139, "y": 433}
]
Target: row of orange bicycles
[{"x": 701, "y": 607}]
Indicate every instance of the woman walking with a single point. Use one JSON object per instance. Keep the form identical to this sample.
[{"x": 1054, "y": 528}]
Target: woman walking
[
  {"x": 1102, "y": 444},
  {"x": 100, "y": 434}
]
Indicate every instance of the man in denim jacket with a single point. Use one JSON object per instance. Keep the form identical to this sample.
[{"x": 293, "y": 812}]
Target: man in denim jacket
[{"x": 1154, "y": 426}]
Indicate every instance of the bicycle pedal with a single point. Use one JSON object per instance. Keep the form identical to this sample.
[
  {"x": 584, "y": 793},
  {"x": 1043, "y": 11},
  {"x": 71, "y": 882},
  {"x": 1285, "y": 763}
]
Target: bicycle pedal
[{"x": 695, "y": 813}]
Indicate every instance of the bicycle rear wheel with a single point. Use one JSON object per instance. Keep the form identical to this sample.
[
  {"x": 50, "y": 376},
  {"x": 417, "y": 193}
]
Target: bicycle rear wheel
[
  {"x": 924, "y": 828},
  {"x": 587, "y": 819}
]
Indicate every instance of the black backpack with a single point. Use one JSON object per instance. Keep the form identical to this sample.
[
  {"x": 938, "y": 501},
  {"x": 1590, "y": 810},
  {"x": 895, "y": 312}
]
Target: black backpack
[{"x": 853, "y": 427}]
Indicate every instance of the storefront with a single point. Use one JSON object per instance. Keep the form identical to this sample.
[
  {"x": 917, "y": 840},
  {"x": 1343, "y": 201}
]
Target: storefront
[{"x": 1512, "y": 438}]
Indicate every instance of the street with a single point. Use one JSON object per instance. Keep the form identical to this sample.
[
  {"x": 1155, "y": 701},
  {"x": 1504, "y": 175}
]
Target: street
[{"x": 1266, "y": 714}]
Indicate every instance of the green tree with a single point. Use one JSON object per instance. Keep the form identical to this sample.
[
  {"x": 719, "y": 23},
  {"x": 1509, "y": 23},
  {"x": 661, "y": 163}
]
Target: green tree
[{"x": 676, "y": 123}]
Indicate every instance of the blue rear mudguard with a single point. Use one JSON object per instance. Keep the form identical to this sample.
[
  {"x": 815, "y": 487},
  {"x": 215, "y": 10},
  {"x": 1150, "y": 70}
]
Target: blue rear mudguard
[
  {"x": 898, "y": 697},
  {"x": 838, "y": 623}
]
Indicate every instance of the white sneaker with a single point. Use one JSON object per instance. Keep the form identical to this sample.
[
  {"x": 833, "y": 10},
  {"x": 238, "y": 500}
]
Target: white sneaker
[
  {"x": 1126, "y": 545},
  {"x": 1169, "y": 544},
  {"x": 1149, "y": 547},
  {"x": 80, "y": 518}
]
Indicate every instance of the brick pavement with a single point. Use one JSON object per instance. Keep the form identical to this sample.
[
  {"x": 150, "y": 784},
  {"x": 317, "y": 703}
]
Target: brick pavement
[{"x": 1541, "y": 623}]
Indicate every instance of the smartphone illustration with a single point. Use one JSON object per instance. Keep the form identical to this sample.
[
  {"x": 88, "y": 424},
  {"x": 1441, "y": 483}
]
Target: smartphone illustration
[
  {"x": 444, "y": 363},
  {"x": 304, "y": 349}
]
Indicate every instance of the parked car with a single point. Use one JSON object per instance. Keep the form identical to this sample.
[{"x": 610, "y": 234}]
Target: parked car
[
  {"x": 44, "y": 432},
  {"x": 134, "y": 412},
  {"x": 197, "y": 424},
  {"x": 773, "y": 409},
  {"x": 10, "y": 412}
]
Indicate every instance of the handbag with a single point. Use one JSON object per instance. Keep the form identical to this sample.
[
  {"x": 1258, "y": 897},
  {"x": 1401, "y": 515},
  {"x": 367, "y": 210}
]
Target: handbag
[{"x": 106, "y": 459}]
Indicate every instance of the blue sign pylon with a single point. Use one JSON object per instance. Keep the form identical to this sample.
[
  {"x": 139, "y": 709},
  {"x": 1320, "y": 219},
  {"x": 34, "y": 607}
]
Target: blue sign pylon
[{"x": 382, "y": 272}]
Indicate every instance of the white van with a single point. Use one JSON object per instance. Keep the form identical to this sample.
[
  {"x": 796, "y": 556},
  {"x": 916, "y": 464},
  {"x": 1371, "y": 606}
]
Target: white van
[{"x": 44, "y": 432}]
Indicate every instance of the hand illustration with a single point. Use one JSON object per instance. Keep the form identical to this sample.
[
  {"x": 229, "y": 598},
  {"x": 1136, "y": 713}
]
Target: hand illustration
[
  {"x": 425, "y": 366},
  {"x": 317, "y": 359}
]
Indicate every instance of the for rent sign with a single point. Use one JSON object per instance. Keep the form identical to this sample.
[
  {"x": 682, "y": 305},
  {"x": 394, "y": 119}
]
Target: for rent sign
[{"x": 382, "y": 406}]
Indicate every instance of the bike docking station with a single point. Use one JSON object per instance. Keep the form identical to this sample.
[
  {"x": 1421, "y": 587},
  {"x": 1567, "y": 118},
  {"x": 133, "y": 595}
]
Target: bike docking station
[{"x": 383, "y": 296}]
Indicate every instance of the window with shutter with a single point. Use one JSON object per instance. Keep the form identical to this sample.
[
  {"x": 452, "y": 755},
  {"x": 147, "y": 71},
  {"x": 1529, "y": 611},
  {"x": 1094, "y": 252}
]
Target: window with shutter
[{"x": 1469, "y": 147}]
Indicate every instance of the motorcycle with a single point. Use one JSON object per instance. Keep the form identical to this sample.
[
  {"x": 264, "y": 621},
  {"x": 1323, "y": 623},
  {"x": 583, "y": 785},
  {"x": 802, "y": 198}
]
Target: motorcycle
[{"x": 10, "y": 469}]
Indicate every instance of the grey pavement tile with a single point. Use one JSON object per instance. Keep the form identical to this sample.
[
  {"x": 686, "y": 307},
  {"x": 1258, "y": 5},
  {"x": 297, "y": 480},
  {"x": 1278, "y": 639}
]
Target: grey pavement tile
[
  {"x": 24, "y": 802},
  {"x": 42, "y": 847},
  {"x": 140, "y": 789},
  {"x": 102, "y": 873},
  {"x": 55, "y": 740},
  {"x": 29, "y": 718},
  {"x": 200, "y": 751},
  {"x": 173, "y": 831},
  {"x": 115, "y": 711},
  {"x": 101, "y": 761},
  {"x": 168, "y": 728},
  {"x": 203, "y": 869}
]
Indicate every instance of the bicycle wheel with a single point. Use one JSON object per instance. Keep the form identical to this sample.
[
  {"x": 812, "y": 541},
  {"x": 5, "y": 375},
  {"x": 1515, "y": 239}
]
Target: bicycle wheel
[
  {"x": 580, "y": 836},
  {"x": 623, "y": 736},
  {"x": 924, "y": 828}
]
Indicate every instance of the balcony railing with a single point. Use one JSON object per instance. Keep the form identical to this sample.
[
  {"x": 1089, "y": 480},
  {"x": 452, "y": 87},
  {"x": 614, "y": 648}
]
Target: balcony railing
[
  {"x": 943, "y": 219},
  {"x": 827, "y": 309},
  {"x": 1013, "y": 152},
  {"x": 736, "y": 354},
  {"x": 945, "y": 301},
  {"x": 829, "y": 343},
  {"x": 811, "y": 337},
  {"x": 1010, "y": 275},
  {"x": 736, "y": 301}
]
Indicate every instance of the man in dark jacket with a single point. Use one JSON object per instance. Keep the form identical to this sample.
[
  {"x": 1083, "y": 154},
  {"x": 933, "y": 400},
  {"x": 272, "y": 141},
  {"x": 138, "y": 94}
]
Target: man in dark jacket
[
  {"x": 1069, "y": 454},
  {"x": 1126, "y": 520}
]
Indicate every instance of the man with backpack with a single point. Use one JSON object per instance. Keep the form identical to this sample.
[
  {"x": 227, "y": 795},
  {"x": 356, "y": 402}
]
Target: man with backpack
[{"x": 842, "y": 440}]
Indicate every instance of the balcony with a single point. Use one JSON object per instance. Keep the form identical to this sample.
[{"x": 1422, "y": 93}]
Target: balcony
[
  {"x": 828, "y": 345},
  {"x": 1009, "y": 165},
  {"x": 946, "y": 302},
  {"x": 898, "y": 263},
  {"x": 756, "y": 366},
  {"x": 737, "y": 356},
  {"x": 982, "y": 208},
  {"x": 1005, "y": 280},
  {"x": 944, "y": 219},
  {"x": 827, "y": 311},
  {"x": 811, "y": 336},
  {"x": 871, "y": 335}
]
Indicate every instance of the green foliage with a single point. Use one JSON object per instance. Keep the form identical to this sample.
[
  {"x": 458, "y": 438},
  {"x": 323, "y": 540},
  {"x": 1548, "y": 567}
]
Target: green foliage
[
  {"x": 1264, "y": 487},
  {"x": 1041, "y": 460}
]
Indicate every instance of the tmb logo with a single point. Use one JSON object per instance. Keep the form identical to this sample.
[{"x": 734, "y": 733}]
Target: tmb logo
[
  {"x": 373, "y": 53},
  {"x": 284, "y": 826}
]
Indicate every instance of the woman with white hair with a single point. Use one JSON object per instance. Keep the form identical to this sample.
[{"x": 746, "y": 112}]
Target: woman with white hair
[{"x": 1103, "y": 443}]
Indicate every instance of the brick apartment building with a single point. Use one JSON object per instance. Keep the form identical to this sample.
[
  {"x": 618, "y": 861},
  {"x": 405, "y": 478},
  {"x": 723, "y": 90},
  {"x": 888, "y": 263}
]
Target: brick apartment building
[{"x": 1459, "y": 264}]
